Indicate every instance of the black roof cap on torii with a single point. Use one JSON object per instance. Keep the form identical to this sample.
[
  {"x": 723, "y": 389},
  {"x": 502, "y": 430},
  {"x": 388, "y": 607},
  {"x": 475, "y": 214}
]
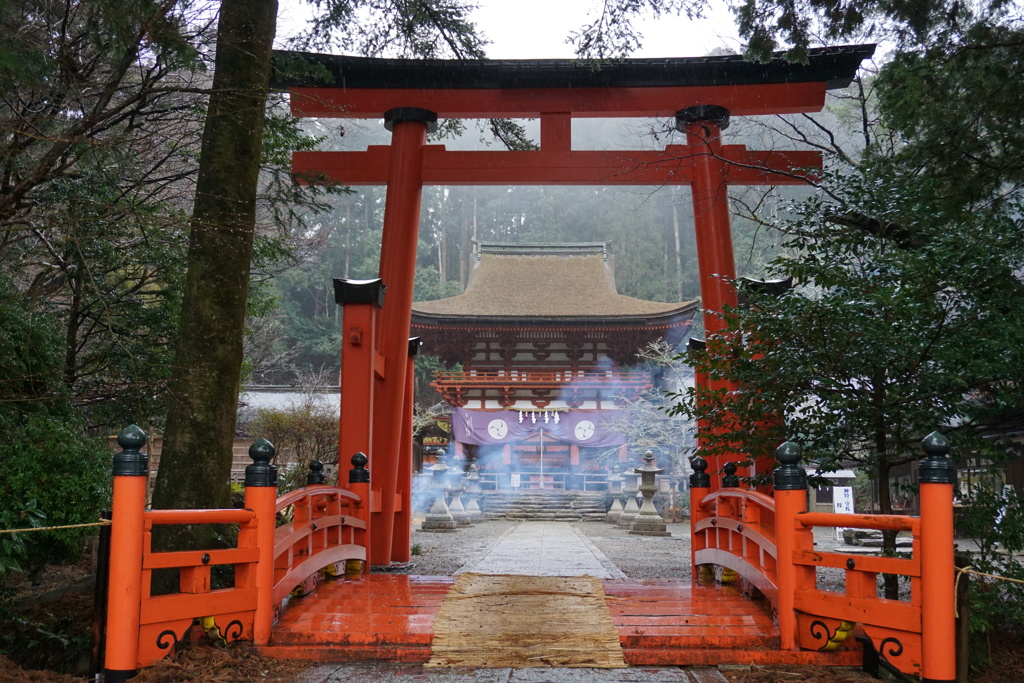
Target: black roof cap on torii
[{"x": 836, "y": 66}]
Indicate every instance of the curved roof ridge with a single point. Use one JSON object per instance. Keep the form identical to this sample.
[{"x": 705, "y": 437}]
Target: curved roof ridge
[{"x": 543, "y": 284}]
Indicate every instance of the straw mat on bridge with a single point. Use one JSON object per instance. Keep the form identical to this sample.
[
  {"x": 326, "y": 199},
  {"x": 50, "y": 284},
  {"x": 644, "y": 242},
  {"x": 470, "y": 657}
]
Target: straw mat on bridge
[{"x": 497, "y": 621}]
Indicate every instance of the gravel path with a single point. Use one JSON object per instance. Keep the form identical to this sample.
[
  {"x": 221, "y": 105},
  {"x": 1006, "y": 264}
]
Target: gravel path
[{"x": 639, "y": 557}]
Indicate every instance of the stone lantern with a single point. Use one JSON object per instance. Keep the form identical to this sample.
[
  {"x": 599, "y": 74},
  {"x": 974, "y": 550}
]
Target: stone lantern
[
  {"x": 473, "y": 490},
  {"x": 631, "y": 510},
  {"x": 615, "y": 489},
  {"x": 455, "y": 507},
  {"x": 439, "y": 519},
  {"x": 648, "y": 522}
]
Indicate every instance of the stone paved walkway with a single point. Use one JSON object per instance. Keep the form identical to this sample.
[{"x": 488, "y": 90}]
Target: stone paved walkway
[
  {"x": 544, "y": 549},
  {"x": 374, "y": 672}
]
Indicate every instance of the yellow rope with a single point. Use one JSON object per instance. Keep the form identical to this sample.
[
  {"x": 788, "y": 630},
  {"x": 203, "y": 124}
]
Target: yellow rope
[
  {"x": 968, "y": 570},
  {"x": 960, "y": 571},
  {"x": 103, "y": 522}
]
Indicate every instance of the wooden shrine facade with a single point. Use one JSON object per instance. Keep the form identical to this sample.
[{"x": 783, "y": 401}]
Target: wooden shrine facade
[
  {"x": 701, "y": 94},
  {"x": 542, "y": 326},
  {"x": 544, "y": 341}
]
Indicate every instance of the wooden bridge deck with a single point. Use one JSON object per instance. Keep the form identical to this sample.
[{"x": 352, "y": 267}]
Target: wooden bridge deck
[{"x": 669, "y": 623}]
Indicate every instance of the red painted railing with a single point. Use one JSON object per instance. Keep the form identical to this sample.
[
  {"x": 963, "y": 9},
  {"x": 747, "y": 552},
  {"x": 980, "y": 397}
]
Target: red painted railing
[
  {"x": 769, "y": 542},
  {"x": 324, "y": 529}
]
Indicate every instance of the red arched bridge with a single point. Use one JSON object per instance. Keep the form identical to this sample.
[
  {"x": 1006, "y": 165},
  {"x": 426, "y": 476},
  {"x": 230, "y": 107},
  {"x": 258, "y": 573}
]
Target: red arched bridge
[{"x": 762, "y": 544}]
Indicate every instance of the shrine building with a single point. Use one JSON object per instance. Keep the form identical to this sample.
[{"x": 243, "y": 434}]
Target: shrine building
[{"x": 546, "y": 345}]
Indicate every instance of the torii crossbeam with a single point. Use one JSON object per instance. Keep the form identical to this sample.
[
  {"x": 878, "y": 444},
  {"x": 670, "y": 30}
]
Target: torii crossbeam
[{"x": 410, "y": 95}]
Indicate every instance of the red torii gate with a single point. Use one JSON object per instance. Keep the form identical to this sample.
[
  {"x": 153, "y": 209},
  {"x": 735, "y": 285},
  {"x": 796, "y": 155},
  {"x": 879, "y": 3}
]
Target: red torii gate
[{"x": 410, "y": 95}]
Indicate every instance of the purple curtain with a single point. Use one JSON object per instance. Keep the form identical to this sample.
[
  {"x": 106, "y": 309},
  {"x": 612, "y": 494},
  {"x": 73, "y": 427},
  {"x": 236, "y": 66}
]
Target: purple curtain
[{"x": 587, "y": 429}]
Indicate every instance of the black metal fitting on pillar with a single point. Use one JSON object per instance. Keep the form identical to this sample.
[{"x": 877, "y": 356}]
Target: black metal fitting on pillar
[
  {"x": 359, "y": 474},
  {"x": 359, "y": 291},
  {"x": 410, "y": 115},
  {"x": 700, "y": 479},
  {"x": 772, "y": 288},
  {"x": 789, "y": 476},
  {"x": 702, "y": 113},
  {"x": 316, "y": 474},
  {"x": 695, "y": 344},
  {"x": 730, "y": 480},
  {"x": 414, "y": 346},
  {"x": 261, "y": 473},
  {"x": 935, "y": 467},
  {"x": 131, "y": 461}
]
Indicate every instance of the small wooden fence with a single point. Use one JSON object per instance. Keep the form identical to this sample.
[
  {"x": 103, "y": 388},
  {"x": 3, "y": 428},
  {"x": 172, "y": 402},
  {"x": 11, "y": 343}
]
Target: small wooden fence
[
  {"x": 769, "y": 542},
  {"x": 322, "y": 528}
]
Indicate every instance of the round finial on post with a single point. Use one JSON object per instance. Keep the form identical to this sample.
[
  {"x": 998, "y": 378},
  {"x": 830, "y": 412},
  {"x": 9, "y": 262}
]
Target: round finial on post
[
  {"x": 261, "y": 472},
  {"x": 935, "y": 467},
  {"x": 359, "y": 474},
  {"x": 789, "y": 476},
  {"x": 131, "y": 461},
  {"x": 700, "y": 479},
  {"x": 316, "y": 474},
  {"x": 730, "y": 480}
]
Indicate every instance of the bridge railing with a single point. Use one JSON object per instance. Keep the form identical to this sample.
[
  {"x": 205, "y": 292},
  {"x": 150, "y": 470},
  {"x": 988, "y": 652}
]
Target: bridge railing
[
  {"x": 769, "y": 542},
  {"x": 323, "y": 528}
]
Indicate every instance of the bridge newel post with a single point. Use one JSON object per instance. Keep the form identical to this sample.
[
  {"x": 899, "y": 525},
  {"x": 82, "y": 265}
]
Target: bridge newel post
[
  {"x": 261, "y": 498},
  {"x": 359, "y": 484},
  {"x": 937, "y": 477},
  {"x": 700, "y": 486},
  {"x": 731, "y": 479},
  {"x": 316, "y": 474},
  {"x": 790, "y": 483},
  {"x": 131, "y": 470}
]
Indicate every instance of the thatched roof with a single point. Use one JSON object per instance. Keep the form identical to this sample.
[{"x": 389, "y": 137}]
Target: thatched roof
[{"x": 571, "y": 281}]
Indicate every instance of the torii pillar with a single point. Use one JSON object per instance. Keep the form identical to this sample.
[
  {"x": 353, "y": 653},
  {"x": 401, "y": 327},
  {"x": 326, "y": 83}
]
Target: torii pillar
[
  {"x": 409, "y": 127},
  {"x": 716, "y": 263}
]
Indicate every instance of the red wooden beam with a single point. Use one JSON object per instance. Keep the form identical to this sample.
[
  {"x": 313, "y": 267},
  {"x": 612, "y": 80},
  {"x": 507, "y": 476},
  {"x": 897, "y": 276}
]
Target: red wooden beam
[
  {"x": 740, "y": 100},
  {"x": 672, "y": 166}
]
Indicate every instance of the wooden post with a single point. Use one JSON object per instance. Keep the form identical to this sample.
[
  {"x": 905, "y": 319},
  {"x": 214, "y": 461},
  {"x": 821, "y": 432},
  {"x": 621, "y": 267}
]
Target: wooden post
[
  {"x": 790, "y": 482},
  {"x": 401, "y": 540},
  {"x": 703, "y": 125},
  {"x": 938, "y": 601},
  {"x": 700, "y": 486},
  {"x": 963, "y": 618},
  {"x": 359, "y": 484},
  {"x": 361, "y": 301},
  {"x": 409, "y": 127},
  {"x": 124, "y": 602},
  {"x": 261, "y": 498}
]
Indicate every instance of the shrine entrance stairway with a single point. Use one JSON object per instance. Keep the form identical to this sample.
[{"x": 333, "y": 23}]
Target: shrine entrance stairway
[{"x": 545, "y": 505}]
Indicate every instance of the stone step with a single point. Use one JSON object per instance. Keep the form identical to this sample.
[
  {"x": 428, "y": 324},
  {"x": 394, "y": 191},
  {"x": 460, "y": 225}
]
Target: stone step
[{"x": 545, "y": 505}]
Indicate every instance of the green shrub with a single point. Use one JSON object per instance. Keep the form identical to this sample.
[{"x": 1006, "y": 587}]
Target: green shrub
[
  {"x": 50, "y": 462},
  {"x": 994, "y": 519},
  {"x": 47, "y": 463},
  {"x": 301, "y": 434}
]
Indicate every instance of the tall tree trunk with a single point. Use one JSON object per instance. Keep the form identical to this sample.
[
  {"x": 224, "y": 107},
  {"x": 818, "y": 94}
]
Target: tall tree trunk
[
  {"x": 203, "y": 396},
  {"x": 890, "y": 581}
]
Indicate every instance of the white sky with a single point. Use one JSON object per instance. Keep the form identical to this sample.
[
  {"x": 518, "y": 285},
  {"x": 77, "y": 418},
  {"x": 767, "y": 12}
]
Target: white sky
[{"x": 538, "y": 29}]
